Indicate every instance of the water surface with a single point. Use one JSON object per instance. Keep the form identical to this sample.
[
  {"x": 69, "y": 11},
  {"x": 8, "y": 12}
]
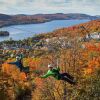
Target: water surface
[{"x": 19, "y": 32}]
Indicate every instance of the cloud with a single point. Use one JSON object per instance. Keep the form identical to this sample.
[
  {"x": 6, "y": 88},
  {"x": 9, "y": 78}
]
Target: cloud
[{"x": 50, "y": 6}]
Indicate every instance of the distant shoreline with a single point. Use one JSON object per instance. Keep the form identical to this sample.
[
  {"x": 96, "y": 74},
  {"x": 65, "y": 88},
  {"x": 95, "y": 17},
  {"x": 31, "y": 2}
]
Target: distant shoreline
[
  {"x": 8, "y": 20},
  {"x": 37, "y": 22},
  {"x": 24, "y": 23}
]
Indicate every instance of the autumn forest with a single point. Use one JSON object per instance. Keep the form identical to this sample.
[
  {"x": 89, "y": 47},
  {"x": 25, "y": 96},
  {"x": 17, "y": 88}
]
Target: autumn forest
[{"x": 73, "y": 49}]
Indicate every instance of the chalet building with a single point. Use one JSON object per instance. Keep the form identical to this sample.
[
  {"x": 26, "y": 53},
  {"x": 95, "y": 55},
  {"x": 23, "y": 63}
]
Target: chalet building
[{"x": 95, "y": 35}]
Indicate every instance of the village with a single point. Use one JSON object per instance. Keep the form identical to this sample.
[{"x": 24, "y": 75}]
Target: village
[{"x": 63, "y": 42}]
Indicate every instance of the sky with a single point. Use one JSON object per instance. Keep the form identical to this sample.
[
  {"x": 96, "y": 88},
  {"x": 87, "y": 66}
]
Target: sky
[{"x": 91, "y": 7}]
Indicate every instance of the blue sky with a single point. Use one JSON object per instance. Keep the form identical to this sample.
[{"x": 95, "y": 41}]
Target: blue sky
[{"x": 91, "y": 7}]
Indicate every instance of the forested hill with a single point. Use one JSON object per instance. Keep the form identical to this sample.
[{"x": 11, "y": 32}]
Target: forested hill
[
  {"x": 80, "y": 29},
  {"x": 6, "y": 20},
  {"x": 80, "y": 59}
]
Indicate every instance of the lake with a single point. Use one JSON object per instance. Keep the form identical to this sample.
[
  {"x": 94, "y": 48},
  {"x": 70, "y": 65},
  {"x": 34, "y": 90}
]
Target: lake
[{"x": 19, "y": 32}]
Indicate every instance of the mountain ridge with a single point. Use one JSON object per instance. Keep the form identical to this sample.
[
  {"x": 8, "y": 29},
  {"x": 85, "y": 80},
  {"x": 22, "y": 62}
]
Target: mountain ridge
[{"x": 7, "y": 20}]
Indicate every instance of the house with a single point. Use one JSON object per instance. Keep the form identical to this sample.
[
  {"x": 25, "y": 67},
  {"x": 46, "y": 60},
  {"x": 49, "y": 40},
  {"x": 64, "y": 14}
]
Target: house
[{"x": 95, "y": 35}]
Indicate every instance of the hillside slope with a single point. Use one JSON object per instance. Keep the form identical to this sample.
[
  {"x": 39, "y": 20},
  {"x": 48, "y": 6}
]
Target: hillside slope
[{"x": 81, "y": 29}]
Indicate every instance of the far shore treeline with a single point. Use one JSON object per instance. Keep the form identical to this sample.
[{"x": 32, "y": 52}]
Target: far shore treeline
[
  {"x": 4, "y": 33},
  {"x": 7, "y": 20}
]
